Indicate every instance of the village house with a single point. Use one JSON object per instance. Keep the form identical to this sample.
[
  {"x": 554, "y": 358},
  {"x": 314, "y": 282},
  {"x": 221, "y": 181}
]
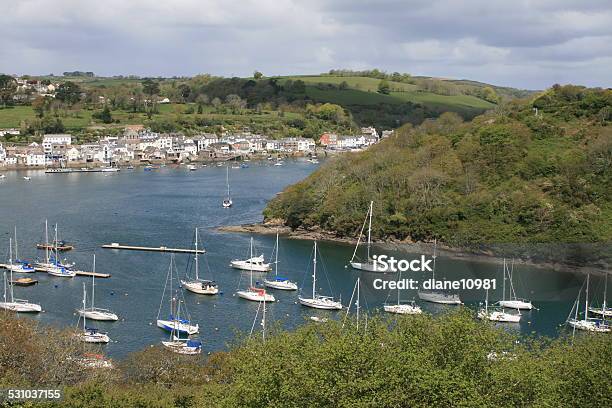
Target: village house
[
  {"x": 73, "y": 154},
  {"x": 2, "y": 153},
  {"x": 205, "y": 140},
  {"x": 386, "y": 134},
  {"x": 35, "y": 157},
  {"x": 55, "y": 139},
  {"x": 11, "y": 131},
  {"x": 328, "y": 140}
]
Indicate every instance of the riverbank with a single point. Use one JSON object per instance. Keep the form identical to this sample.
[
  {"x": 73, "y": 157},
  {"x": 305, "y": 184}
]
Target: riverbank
[{"x": 573, "y": 258}]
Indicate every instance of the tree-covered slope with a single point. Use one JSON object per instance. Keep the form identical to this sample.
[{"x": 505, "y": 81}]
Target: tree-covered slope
[{"x": 507, "y": 176}]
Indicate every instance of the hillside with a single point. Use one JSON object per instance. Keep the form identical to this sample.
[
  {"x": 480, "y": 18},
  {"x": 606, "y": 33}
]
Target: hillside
[
  {"x": 276, "y": 105},
  {"x": 506, "y": 176}
]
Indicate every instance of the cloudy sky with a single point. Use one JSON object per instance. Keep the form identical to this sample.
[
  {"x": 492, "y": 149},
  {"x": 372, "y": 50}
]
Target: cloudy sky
[{"x": 520, "y": 43}]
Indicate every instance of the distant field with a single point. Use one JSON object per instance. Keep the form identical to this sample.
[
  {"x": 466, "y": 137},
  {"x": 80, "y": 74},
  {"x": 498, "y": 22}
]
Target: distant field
[
  {"x": 363, "y": 91},
  {"x": 12, "y": 117}
]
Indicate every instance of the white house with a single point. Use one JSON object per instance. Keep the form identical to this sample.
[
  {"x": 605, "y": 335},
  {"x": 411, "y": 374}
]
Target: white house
[
  {"x": 35, "y": 158},
  {"x": 12, "y": 131},
  {"x": 386, "y": 133},
  {"x": 369, "y": 131},
  {"x": 190, "y": 147},
  {"x": 2, "y": 153},
  {"x": 73, "y": 154},
  {"x": 58, "y": 139},
  {"x": 205, "y": 140}
]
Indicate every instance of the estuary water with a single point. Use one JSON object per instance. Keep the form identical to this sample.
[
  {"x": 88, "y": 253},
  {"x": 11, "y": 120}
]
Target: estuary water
[{"x": 162, "y": 207}]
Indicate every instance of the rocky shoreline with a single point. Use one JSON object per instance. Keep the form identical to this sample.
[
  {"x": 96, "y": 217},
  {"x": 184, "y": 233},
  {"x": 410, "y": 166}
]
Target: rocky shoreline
[{"x": 490, "y": 254}]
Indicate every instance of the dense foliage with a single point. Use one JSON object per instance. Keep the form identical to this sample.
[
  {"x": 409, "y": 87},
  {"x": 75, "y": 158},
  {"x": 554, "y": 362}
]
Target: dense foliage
[
  {"x": 507, "y": 176},
  {"x": 415, "y": 361}
]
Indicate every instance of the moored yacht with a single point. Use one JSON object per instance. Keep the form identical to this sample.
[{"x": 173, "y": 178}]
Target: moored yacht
[
  {"x": 96, "y": 313},
  {"x": 318, "y": 301},
  {"x": 254, "y": 293},
  {"x": 279, "y": 282},
  {"x": 197, "y": 285}
]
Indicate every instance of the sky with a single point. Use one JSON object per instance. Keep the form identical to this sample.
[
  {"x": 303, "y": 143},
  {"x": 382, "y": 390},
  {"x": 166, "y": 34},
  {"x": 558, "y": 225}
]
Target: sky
[{"x": 520, "y": 43}]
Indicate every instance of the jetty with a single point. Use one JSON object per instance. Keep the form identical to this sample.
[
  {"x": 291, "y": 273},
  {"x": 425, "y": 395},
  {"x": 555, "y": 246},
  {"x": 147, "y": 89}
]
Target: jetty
[
  {"x": 79, "y": 273},
  {"x": 115, "y": 245}
]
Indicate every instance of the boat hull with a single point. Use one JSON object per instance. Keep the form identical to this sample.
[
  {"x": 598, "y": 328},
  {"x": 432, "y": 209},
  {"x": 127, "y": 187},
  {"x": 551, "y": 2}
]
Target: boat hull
[
  {"x": 201, "y": 288},
  {"x": 256, "y": 296},
  {"x": 365, "y": 266},
  {"x": 281, "y": 285},
  {"x": 21, "y": 307},
  {"x": 516, "y": 304},
  {"x": 403, "y": 309},
  {"x": 441, "y": 298},
  {"x": 94, "y": 338},
  {"x": 19, "y": 269},
  {"x": 170, "y": 325},
  {"x": 98, "y": 315},
  {"x": 501, "y": 317},
  {"x": 596, "y": 326},
  {"x": 320, "y": 304},
  {"x": 248, "y": 267},
  {"x": 180, "y": 347},
  {"x": 600, "y": 311}
]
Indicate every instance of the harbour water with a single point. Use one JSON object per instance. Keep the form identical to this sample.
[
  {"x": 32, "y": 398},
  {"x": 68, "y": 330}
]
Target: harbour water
[{"x": 162, "y": 208}]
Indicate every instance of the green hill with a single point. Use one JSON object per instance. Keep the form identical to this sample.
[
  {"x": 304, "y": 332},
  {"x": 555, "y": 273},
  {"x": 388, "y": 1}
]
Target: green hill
[{"x": 506, "y": 176}]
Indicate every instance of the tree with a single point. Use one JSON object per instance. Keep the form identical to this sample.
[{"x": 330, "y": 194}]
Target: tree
[
  {"x": 343, "y": 85},
  {"x": 8, "y": 87},
  {"x": 68, "y": 92},
  {"x": 104, "y": 116},
  {"x": 151, "y": 88},
  {"x": 257, "y": 75},
  {"x": 384, "y": 87},
  {"x": 40, "y": 105}
]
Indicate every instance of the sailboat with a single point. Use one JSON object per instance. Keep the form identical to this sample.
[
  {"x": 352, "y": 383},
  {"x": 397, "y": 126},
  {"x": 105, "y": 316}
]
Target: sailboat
[
  {"x": 513, "y": 302},
  {"x": 368, "y": 265},
  {"x": 435, "y": 296},
  {"x": 254, "y": 263},
  {"x": 90, "y": 334},
  {"x": 318, "y": 301},
  {"x": 96, "y": 313},
  {"x": 402, "y": 308},
  {"x": 192, "y": 167},
  {"x": 587, "y": 323},
  {"x": 227, "y": 203},
  {"x": 497, "y": 314},
  {"x": 356, "y": 288},
  {"x": 8, "y": 301},
  {"x": 254, "y": 293},
  {"x": 174, "y": 322},
  {"x": 279, "y": 282},
  {"x": 197, "y": 285},
  {"x": 175, "y": 343},
  {"x": 52, "y": 265},
  {"x": 603, "y": 310},
  {"x": 19, "y": 266},
  {"x": 263, "y": 320}
]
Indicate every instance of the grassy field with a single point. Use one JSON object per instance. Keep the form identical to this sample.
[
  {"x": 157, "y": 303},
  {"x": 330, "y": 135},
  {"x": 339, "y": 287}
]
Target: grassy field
[
  {"x": 362, "y": 91},
  {"x": 13, "y": 117}
]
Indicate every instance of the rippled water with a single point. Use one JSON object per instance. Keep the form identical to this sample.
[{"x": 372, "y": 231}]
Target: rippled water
[{"x": 163, "y": 207}]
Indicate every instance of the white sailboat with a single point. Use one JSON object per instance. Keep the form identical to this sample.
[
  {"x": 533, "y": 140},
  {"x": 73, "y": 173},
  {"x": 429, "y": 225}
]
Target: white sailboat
[
  {"x": 254, "y": 263},
  {"x": 436, "y": 296},
  {"x": 175, "y": 343},
  {"x": 603, "y": 310},
  {"x": 90, "y": 334},
  {"x": 9, "y": 302},
  {"x": 279, "y": 282},
  {"x": 174, "y": 323},
  {"x": 368, "y": 264},
  {"x": 96, "y": 313},
  {"x": 402, "y": 308},
  {"x": 19, "y": 265},
  {"x": 197, "y": 285},
  {"x": 227, "y": 203},
  {"x": 513, "y": 302},
  {"x": 497, "y": 314},
  {"x": 254, "y": 293},
  {"x": 318, "y": 301},
  {"x": 587, "y": 323},
  {"x": 52, "y": 265},
  {"x": 357, "y": 291}
]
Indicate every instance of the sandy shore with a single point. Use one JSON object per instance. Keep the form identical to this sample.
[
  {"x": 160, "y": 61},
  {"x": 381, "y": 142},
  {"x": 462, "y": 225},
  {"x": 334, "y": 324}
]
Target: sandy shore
[{"x": 493, "y": 254}]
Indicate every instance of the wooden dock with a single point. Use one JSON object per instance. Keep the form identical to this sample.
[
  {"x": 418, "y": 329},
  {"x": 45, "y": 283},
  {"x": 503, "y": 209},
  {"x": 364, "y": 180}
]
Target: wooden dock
[
  {"x": 79, "y": 273},
  {"x": 115, "y": 245}
]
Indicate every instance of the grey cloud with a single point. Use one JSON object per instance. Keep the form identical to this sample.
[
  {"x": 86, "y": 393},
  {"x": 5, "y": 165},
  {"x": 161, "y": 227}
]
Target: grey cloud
[{"x": 520, "y": 43}]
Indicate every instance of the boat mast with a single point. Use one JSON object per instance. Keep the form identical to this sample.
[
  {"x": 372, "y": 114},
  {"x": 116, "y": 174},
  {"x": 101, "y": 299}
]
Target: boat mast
[
  {"x": 84, "y": 306},
  {"x": 227, "y": 181},
  {"x": 10, "y": 270},
  {"x": 16, "y": 253},
  {"x": 251, "y": 262},
  {"x": 55, "y": 246},
  {"x": 586, "y": 299},
  {"x": 196, "y": 255},
  {"x": 603, "y": 308},
  {"x": 276, "y": 257},
  {"x": 433, "y": 272},
  {"x": 504, "y": 284},
  {"x": 93, "y": 282},
  {"x": 263, "y": 321},
  {"x": 358, "y": 306},
  {"x": 46, "y": 242},
  {"x": 370, "y": 230},
  {"x": 314, "y": 270}
]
